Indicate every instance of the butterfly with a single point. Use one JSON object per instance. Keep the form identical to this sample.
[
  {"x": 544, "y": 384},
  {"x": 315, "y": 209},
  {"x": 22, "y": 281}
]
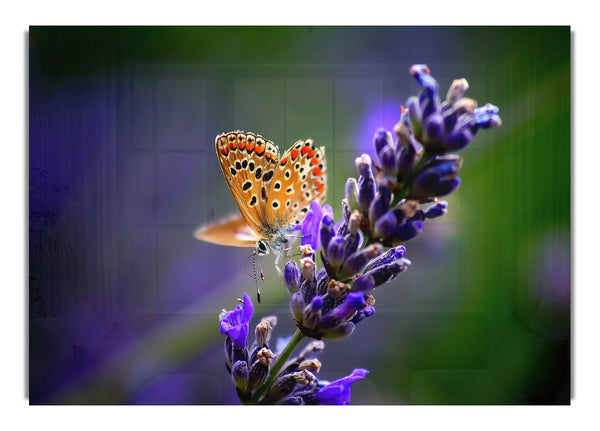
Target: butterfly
[{"x": 272, "y": 192}]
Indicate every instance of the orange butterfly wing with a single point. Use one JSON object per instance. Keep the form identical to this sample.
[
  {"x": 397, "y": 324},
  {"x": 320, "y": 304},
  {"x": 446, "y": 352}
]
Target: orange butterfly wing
[
  {"x": 232, "y": 231},
  {"x": 300, "y": 177},
  {"x": 248, "y": 162}
]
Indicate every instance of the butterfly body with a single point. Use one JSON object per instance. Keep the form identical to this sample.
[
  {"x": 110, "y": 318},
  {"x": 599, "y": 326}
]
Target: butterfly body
[{"x": 272, "y": 192}]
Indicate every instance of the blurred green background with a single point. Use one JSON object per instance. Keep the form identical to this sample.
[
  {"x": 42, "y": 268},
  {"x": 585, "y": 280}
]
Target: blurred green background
[{"x": 481, "y": 317}]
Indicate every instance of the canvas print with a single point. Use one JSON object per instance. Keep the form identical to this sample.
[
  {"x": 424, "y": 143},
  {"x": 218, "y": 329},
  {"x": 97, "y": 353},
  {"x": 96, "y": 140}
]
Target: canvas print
[{"x": 299, "y": 215}]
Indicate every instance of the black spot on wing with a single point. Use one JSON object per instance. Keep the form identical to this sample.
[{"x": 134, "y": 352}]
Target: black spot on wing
[{"x": 267, "y": 177}]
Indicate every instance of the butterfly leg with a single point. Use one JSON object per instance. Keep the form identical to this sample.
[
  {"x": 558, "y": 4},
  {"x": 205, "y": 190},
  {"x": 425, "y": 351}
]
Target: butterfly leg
[{"x": 277, "y": 259}]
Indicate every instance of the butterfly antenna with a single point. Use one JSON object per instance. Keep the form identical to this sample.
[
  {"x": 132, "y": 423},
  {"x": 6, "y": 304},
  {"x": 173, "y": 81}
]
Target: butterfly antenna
[
  {"x": 246, "y": 269},
  {"x": 256, "y": 278}
]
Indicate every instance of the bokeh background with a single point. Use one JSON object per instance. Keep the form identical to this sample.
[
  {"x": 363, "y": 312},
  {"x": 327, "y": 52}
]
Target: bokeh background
[{"x": 124, "y": 301}]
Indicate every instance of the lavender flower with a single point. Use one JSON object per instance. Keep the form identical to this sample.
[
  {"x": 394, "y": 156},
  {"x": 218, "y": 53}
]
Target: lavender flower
[
  {"x": 234, "y": 323},
  {"x": 258, "y": 377},
  {"x": 387, "y": 205},
  {"x": 326, "y": 303},
  {"x": 310, "y": 224},
  {"x": 416, "y": 169},
  {"x": 338, "y": 391},
  {"x": 298, "y": 383}
]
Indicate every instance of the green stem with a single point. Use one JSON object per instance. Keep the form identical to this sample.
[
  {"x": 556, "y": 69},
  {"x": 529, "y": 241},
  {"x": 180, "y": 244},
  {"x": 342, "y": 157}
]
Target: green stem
[{"x": 277, "y": 365}]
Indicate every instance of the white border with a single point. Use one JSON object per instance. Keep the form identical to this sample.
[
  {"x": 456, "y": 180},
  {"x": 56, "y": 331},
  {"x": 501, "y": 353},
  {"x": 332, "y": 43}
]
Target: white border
[{"x": 15, "y": 21}]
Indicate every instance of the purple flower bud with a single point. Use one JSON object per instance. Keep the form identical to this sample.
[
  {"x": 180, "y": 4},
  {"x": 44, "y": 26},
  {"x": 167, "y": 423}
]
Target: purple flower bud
[
  {"x": 316, "y": 304},
  {"x": 389, "y": 256},
  {"x": 453, "y": 112},
  {"x": 312, "y": 349},
  {"x": 363, "y": 283},
  {"x": 326, "y": 231},
  {"x": 297, "y": 305},
  {"x": 366, "y": 183},
  {"x": 382, "y": 139},
  {"x": 457, "y": 90},
  {"x": 322, "y": 281},
  {"x": 387, "y": 157},
  {"x": 437, "y": 210},
  {"x": 458, "y": 139},
  {"x": 339, "y": 331},
  {"x": 351, "y": 193},
  {"x": 487, "y": 116},
  {"x": 433, "y": 129},
  {"x": 380, "y": 204},
  {"x": 291, "y": 275},
  {"x": 423, "y": 75},
  {"x": 383, "y": 273},
  {"x": 258, "y": 374},
  {"x": 408, "y": 230},
  {"x": 354, "y": 302},
  {"x": 363, "y": 164},
  {"x": 419, "y": 215},
  {"x": 415, "y": 115},
  {"x": 336, "y": 251},
  {"x": 363, "y": 314},
  {"x": 357, "y": 261},
  {"x": 338, "y": 391},
  {"x": 239, "y": 374},
  {"x": 341, "y": 227},
  {"x": 327, "y": 210},
  {"x": 312, "y": 313},
  {"x": 385, "y": 225},
  {"x": 282, "y": 387},
  {"x": 438, "y": 178},
  {"x": 419, "y": 71},
  {"x": 308, "y": 289},
  {"x": 351, "y": 243},
  {"x": 407, "y": 158}
]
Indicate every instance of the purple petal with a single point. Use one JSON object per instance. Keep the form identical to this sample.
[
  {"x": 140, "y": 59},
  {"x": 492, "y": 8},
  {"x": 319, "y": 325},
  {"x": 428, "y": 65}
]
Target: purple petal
[
  {"x": 234, "y": 323},
  {"x": 310, "y": 225},
  {"x": 247, "y": 309},
  {"x": 338, "y": 391}
]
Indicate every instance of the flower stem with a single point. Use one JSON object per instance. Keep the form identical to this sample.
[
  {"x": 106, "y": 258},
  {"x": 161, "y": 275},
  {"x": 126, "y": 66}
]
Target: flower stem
[{"x": 277, "y": 365}]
